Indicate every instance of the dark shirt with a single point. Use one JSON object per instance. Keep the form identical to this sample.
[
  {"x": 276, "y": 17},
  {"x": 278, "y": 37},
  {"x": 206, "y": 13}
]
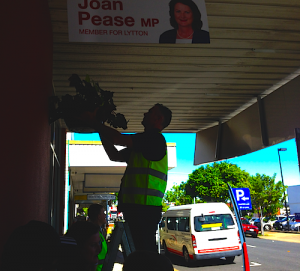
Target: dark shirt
[
  {"x": 199, "y": 36},
  {"x": 153, "y": 146}
]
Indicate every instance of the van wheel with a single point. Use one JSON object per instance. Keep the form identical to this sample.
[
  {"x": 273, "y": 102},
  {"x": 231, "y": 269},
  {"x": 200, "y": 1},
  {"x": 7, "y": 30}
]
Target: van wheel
[
  {"x": 165, "y": 248},
  {"x": 230, "y": 259},
  {"x": 186, "y": 256}
]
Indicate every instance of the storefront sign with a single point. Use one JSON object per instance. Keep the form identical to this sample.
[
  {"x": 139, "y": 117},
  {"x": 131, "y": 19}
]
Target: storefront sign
[
  {"x": 101, "y": 197},
  {"x": 136, "y": 21}
]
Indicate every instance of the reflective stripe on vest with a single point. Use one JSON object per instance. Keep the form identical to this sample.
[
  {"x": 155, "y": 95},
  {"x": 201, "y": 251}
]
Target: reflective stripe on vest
[
  {"x": 102, "y": 254},
  {"x": 150, "y": 171},
  {"x": 144, "y": 181}
]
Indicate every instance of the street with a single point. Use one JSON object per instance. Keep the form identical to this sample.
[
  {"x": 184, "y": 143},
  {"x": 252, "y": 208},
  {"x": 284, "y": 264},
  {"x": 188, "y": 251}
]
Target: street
[{"x": 264, "y": 255}]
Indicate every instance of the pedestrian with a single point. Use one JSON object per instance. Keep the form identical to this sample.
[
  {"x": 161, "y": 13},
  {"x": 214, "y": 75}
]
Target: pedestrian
[
  {"x": 87, "y": 238},
  {"x": 97, "y": 216},
  {"x": 145, "y": 179}
]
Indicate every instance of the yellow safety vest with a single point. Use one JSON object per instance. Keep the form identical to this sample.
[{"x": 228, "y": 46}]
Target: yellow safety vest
[
  {"x": 144, "y": 181},
  {"x": 102, "y": 254}
]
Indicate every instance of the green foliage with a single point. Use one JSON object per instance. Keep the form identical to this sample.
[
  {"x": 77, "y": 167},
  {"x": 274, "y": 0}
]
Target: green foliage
[
  {"x": 165, "y": 207},
  {"x": 89, "y": 98},
  {"x": 178, "y": 195},
  {"x": 209, "y": 183},
  {"x": 247, "y": 216},
  {"x": 266, "y": 194}
]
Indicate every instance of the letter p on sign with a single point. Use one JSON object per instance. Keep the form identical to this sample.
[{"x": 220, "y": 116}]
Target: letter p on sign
[{"x": 239, "y": 194}]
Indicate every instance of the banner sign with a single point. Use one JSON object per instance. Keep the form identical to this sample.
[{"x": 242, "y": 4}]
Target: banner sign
[
  {"x": 101, "y": 197},
  {"x": 135, "y": 21}
]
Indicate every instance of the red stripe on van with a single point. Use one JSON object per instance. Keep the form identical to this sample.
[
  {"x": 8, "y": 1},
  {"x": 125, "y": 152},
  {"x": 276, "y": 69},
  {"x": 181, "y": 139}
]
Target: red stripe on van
[
  {"x": 174, "y": 237},
  {"x": 175, "y": 251},
  {"x": 218, "y": 249},
  {"x": 179, "y": 253}
]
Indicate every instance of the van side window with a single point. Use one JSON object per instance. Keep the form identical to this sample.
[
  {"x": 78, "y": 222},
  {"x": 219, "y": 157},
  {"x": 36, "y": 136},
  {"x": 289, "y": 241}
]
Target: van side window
[
  {"x": 184, "y": 224},
  {"x": 172, "y": 223},
  {"x": 213, "y": 222},
  {"x": 178, "y": 224},
  {"x": 162, "y": 223}
]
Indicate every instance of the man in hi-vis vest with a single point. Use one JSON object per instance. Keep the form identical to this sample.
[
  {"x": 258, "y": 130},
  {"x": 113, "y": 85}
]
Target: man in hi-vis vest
[
  {"x": 98, "y": 217},
  {"x": 145, "y": 179}
]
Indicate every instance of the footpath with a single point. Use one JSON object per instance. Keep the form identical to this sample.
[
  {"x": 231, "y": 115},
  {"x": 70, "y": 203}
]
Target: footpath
[
  {"x": 118, "y": 267},
  {"x": 293, "y": 237}
]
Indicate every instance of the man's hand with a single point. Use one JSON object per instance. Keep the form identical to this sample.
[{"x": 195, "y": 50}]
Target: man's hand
[{"x": 110, "y": 134}]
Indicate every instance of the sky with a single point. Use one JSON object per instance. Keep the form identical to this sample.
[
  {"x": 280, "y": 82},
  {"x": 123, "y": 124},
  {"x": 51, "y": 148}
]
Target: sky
[{"x": 264, "y": 161}]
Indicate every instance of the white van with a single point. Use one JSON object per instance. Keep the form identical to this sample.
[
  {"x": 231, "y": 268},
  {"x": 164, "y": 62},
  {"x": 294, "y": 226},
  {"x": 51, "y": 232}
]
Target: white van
[{"x": 200, "y": 231}]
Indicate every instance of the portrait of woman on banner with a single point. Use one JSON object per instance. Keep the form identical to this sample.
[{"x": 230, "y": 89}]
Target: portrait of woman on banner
[{"x": 185, "y": 18}]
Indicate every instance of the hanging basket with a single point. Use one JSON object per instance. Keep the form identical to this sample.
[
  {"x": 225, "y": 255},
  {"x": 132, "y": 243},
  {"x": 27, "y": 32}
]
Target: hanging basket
[
  {"x": 78, "y": 126},
  {"x": 89, "y": 97}
]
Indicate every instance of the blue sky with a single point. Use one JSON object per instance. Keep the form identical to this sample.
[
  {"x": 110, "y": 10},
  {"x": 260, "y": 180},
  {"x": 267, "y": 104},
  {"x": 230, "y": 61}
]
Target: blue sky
[{"x": 264, "y": 161}]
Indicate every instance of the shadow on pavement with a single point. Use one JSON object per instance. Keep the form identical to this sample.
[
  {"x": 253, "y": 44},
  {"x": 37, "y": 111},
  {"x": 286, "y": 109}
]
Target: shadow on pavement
[{"x": 177, "y": 260}]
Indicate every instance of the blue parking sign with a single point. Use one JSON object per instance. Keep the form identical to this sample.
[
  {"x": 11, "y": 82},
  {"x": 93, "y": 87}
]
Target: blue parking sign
[{"x": 242, "y": 197}]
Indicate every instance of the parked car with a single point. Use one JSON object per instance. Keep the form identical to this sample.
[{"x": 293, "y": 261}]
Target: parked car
[
  {"x": 266, "y": 223},
  {"x": 272, "y": 219},
  {"x": 292, "y": 220},
  {"x": 248, "y": 228},
  {"x": 295, "y": 226},
  {"x": 279, "y": 217},
  {"x": 278, "y": 225},
  {"x": 251, "y": 220}
]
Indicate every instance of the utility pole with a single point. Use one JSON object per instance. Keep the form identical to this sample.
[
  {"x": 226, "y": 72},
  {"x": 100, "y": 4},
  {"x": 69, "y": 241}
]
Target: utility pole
[{"x": 286, "y": 210}]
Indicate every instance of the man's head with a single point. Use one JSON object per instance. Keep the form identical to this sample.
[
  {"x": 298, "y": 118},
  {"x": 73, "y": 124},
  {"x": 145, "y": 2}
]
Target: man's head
[
  {"x": 158, "y": 117},
  {"x": 86, "y": 235},
  {"x": 96, "y": 214}
]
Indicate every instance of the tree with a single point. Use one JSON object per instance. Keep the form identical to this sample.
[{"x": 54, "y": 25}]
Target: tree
[
  {"x": 165, "y": 207},
  {"x": 209, "y": 183},
  {"x": 178, "y": 195},
  {"x": 266, "y": 195}
]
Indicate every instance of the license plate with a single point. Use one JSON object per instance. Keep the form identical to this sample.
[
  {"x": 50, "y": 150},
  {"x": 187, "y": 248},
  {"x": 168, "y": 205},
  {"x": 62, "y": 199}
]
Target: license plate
[{"x": 251, "y": 230}]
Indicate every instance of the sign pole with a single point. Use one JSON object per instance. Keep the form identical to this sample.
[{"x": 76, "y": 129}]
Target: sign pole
[{"x": 246, "y": 265}]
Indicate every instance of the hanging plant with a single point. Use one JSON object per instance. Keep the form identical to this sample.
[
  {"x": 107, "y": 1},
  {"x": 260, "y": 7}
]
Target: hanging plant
[{"x": 89, "y": 97}]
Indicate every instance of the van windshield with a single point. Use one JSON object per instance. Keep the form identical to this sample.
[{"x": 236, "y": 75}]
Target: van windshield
[{"x": 213, "y": 222}]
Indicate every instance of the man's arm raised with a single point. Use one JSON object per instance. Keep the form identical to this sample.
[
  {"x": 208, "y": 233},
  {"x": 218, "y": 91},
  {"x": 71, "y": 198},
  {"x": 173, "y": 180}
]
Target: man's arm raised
[
  {"x": 113, "y": 136},
  {"x": 112, "y": 152},
  {"x": 110, "y": 134}
]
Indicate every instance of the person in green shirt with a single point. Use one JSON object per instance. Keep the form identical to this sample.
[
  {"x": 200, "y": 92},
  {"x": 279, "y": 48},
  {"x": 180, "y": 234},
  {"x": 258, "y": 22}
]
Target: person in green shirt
[{"x": 98, "y": 217}]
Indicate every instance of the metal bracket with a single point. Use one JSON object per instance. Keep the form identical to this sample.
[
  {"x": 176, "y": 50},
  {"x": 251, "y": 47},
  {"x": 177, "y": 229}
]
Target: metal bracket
[
  {"x": 218, "y": 142},
  {"x": 263, "y": 124}
]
